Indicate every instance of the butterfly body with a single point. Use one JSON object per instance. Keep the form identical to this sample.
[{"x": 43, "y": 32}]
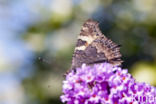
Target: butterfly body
[{"x": 93, "y": 47}]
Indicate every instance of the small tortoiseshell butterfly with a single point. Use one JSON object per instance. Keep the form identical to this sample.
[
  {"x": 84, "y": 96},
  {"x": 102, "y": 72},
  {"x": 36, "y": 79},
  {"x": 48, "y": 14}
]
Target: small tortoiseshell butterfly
[{"x": 94, "y": 47}]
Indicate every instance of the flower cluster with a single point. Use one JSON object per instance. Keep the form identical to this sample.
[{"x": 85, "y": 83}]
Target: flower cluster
[{"x": 105, "y": 84}]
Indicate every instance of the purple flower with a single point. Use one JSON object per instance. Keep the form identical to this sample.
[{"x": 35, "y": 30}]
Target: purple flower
[{"x": 105, "y": 84}]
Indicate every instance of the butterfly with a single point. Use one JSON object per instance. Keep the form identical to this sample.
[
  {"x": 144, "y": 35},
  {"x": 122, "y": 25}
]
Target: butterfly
[{"x": 93, "y": 47}]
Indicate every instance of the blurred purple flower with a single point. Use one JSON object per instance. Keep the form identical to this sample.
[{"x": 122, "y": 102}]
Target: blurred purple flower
[{"x": 105, "y": 84}]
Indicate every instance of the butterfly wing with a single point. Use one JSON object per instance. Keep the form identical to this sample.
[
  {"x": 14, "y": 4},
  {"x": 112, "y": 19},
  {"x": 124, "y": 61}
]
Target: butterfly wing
[{"x": 93, "y": 47}]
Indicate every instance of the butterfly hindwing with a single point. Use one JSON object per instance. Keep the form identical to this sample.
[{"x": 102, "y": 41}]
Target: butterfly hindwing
[{"x": 93, "y": 47}]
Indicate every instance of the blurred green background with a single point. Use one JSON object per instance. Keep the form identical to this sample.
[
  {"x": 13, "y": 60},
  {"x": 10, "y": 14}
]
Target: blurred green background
[{"x": 37, "y": 39}]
